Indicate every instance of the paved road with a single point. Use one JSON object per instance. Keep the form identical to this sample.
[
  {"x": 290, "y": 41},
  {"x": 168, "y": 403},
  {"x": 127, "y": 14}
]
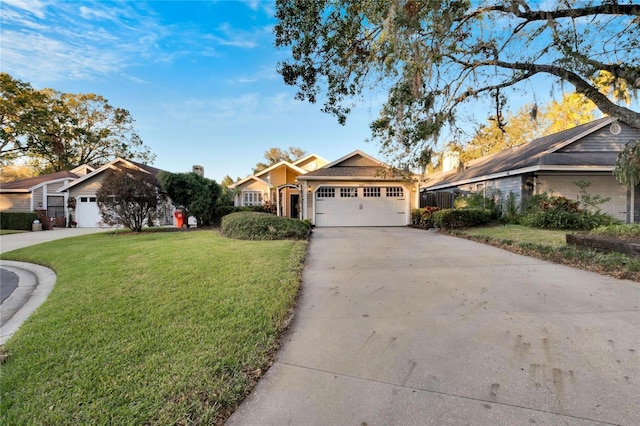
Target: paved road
[
  {"x": 397, "y": 326},
  {"x": 26, "y": 286}
]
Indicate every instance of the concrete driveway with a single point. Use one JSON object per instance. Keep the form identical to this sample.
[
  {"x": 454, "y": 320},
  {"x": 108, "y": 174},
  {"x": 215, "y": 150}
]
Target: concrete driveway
[{"x": 397, "y": 326}]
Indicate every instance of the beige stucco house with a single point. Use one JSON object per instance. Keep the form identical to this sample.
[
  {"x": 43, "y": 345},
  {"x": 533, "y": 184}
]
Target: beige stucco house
[
  {"x": 358, "y": 190},
  {"x": 277, "y": 186}
]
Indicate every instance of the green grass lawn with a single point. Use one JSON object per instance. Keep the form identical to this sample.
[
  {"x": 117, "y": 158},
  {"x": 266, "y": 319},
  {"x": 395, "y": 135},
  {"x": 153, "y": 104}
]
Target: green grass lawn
[
  {"x": 521, "y": 234},
  {"x": 151, "y": 328},
  {"x": 550, "y": 244}
]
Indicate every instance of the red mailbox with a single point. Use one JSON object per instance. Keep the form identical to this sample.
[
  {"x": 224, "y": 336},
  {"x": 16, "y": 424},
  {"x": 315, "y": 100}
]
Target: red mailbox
[{"x": 179, "y": 215}]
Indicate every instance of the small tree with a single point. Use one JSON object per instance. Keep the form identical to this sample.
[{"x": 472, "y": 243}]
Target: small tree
[
  {"x": 194, "y": 194},
  {"x": 627, "y": 169},
  {"x": 129, "y": 197}
]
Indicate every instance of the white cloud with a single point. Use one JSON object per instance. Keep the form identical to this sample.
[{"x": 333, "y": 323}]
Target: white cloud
[{"x": 34, "y": 7}]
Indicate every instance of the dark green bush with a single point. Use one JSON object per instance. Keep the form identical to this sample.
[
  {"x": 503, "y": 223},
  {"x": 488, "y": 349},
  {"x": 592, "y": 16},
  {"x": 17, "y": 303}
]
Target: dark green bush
[
  {"x": 222, "y": 211},
  {"x": 263, "y": 226},
  {"x": 17, "y": 220},
  {"x": 461, "y": 218},
  {"x": 557, "y": 212},
  {"x": 423, "y": 218}
]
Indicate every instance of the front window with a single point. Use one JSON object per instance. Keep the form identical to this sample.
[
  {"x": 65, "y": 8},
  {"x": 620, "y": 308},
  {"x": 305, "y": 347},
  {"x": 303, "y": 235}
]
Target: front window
[
  {"x": 55, "y": 206},
  {"x": 252, "y": 198}
]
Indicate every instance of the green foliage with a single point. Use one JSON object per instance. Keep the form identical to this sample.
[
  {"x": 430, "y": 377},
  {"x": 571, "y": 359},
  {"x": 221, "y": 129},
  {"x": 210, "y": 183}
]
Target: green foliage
[
  {"x": 129, "y": 197},
  {"x": 423, "y": 218},
  {"x": 511, "y": 212},
  {"x": 276, "y": 155},
  {"x": 263, "y": 226},
  {"x": 629, "y": 230},
  {"x": 591, "y": 202},
  {"x": 17, "y": 220},
  {"x": 557, "y": 212},
  {"x": 627, "y": 169},
  {"x": 148, "y": 329},
  {"x": 61, "y": 131},
  {"x": 196, "y": 195},
  {"x": 461, "y": 218},
  {"x": 341, "y": 48}
]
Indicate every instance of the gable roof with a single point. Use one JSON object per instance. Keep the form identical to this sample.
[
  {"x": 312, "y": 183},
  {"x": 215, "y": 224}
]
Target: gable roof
[
  {"x": 551, "y": 152},
  {"x": 257, "y": 176},
  {"x": 356, "y": 165},
  {"x": 113, "y": 165},
  {"x": 306, "y": 159},
  {"x": 247, "y": 179},
  {"x": 28, "y": 184}
]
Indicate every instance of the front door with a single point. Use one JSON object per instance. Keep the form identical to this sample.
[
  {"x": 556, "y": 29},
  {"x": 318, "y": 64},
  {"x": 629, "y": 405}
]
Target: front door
[{"x": 294, "y": 206}]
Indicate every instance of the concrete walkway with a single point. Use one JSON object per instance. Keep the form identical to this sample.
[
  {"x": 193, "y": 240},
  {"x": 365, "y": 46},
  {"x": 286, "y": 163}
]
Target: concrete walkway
[
  {"x": 30, "y": 284},
  {"x": 397, "y": 326}
]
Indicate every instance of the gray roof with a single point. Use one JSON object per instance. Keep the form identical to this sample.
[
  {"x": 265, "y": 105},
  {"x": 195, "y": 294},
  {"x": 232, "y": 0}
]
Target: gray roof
[
  {"x": 34, "y": 181},
  {"x": 566, "y": 148}
]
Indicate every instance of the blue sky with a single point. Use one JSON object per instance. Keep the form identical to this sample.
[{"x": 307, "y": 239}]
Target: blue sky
[{"x": 199, "y": 77}]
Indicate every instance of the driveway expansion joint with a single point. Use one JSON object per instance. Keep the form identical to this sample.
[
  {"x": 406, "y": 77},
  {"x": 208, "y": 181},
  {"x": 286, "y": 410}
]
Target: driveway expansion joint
[{"x": 431, "y": 391}]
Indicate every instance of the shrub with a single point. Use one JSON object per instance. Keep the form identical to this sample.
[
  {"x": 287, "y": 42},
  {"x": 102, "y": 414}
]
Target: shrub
[
  {"x": 557, "y": 212},
  {"x": 263, "y": 226},
  {"x": 423, "y": 218},
  {"x": 461, "y": 218},
  {"x": 17, "y": 220},
  {"x": 620, "y": 231}
]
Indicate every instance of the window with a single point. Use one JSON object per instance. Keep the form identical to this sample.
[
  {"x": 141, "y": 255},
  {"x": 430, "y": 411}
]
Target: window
[
  {"x": 326, "y": 192},
  {"x": 371, "y": 191},
  {"x": 395, "y": 191},
  {"x": 88, "y": 199},
  {"x": 55, "y": 206},
  {"x": 251, "y": 198},
  {"x": 348, "y": 192}
]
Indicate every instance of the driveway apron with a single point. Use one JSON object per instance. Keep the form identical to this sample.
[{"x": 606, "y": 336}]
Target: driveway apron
[{"x": 398, "y": 326}]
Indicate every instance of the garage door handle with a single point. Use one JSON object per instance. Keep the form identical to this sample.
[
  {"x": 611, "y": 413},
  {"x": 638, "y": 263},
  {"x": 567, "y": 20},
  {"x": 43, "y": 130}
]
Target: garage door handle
[{"x": 360, "y": 207}]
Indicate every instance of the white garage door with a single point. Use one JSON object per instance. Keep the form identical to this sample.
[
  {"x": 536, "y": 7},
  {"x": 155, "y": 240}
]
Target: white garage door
[
  {"x": 361, "y": 206},
  {"x": 87, "y": 213}
]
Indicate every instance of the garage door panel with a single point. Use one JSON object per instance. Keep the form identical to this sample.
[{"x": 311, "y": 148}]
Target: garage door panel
[{"x": 375, "y": 209}]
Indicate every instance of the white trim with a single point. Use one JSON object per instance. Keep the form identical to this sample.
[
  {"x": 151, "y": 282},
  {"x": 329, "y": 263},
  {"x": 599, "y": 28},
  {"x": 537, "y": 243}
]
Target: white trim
[
  {"x": 306, "y": 157},
  {"x": 247, "y": 179},
  {"x": 353, "y": 154},
  {"x": 354, "y": 178},
  {"x": 109, "y": 165},
  {"x": 520, "y": 172}
]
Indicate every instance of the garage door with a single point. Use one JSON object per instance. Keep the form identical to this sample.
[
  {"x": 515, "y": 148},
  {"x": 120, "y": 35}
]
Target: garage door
[
  {"x": 361, "y": 206},
  {"x": 87, "y": 213}
]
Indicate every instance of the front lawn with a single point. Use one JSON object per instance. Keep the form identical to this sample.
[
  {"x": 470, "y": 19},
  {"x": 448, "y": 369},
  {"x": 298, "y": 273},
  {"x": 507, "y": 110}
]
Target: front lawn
[
  {"x": 550, "y": 244},
  {"x": 151, "y": 328}
]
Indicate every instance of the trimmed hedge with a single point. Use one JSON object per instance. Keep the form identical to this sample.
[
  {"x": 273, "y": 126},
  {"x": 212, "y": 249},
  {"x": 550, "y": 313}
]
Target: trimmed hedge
[
  {"x": 263, "y": 226},
  {"x": 461, "y": 218},
  {"x": 17, "y": 220}
]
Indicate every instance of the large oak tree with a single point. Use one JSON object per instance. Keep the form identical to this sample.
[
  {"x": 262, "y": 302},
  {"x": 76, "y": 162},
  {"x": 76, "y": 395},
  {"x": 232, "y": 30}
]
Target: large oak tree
[
  {"x": 434, "y": 56},
  {"x": 64, "y": 130}
]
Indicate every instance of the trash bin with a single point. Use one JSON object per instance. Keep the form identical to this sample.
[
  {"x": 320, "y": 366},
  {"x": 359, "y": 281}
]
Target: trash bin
[
  {"x": 179, "y": 215},
  {"x": 36, "y": 225}
]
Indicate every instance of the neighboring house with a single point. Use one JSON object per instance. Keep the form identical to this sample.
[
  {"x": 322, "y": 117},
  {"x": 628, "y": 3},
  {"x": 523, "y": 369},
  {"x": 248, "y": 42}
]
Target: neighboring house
[
  {"x": 357, "y": 190},
  {"x": 552, "y": 164},
  {"x": 276, "y": 185},
  {"x": 84, "y": 189},
  {"x": 41, "y": 194}
]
